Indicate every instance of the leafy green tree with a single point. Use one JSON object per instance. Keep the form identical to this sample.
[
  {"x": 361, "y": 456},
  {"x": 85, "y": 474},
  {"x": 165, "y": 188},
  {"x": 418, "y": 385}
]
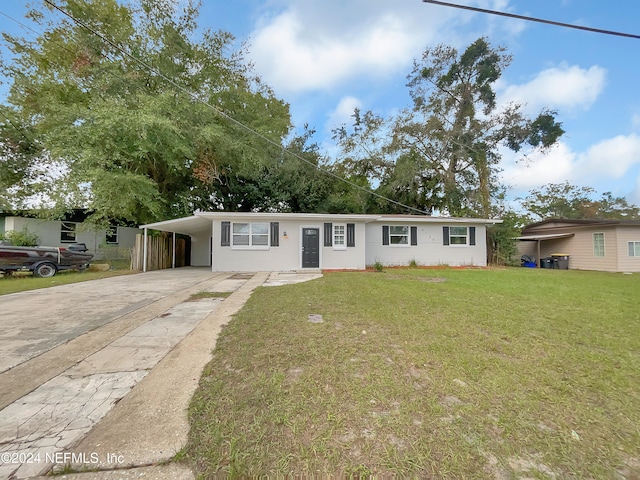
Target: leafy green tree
[
  {"x": 502, "y": 238},
  {"x": 456, "y": 128},
  {"x": 140, "y": 142},
  {"x": 563, "y": 200},
  {"x": 443, "y": 153}
]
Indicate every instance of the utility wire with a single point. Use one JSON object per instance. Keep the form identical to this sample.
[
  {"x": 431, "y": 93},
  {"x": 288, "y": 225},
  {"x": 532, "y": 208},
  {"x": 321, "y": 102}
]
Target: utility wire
[
  {"x": 227, "y": 116},
  {"x": 532, "y": 19}
]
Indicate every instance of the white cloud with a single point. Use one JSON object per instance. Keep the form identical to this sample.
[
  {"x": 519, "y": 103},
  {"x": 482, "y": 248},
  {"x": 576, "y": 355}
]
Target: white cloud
[
  {"x": 342, "y": 113},
  {"x": 556, "y": 166},
  {"x": 564, "y": 88},
  {"x": 313, "y": 45},
  {"x": 611, "y": 158}
]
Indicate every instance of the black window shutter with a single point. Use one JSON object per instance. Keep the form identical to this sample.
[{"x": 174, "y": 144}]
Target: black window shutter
[
  {"x": 445, "y": 235},
  {"x": 385, "y": 234},
  {"x": 275, "y": 234},
  {"x": 351, "y": 234},
  {"x": 414, "y": 235},
  {"x": 472, "y": 235},
  {"x": 328, "y": 234},
  {"x": 225, "y": 234}
]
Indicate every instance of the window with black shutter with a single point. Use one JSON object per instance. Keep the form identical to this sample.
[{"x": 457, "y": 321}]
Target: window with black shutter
[
  {"x": 328, "y": 234},
  {"x": 351, "y": 235},
  {"x": 225, "y": 234},
  {"x": 275, "y": 234}
]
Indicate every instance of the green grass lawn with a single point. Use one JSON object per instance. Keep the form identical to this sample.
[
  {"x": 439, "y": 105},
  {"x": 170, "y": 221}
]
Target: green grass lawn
[
  {"x": 21, "y": 282},
  {"x": 505, "y": 373}
]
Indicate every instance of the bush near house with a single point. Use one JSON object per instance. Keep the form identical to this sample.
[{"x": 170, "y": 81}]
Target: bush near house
[{"x": 22, "y": 238}]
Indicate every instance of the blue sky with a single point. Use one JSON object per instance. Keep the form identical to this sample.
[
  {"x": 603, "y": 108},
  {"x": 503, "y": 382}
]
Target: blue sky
[{"x": 325, "y": 58}]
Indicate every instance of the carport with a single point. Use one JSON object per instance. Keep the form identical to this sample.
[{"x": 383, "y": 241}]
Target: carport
[
  {"x": 541, "y": 238},
  {"x": 191, "y": 226}
]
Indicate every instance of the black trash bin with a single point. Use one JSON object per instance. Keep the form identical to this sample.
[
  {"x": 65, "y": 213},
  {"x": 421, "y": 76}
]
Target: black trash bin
[
  {"x": 546, "y": 262},
  {"x": 560, "y": 261}
]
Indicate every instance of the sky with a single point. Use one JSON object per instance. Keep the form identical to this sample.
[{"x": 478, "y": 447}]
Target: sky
[{"x": 325, "y": 58}]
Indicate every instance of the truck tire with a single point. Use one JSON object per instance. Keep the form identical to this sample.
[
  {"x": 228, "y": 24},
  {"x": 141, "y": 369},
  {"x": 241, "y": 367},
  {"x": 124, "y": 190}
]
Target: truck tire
[{"x": 45, "y": 270}]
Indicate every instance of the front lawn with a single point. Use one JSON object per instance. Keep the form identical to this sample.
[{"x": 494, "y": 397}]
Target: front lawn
[{"x": 499, "y": 373}]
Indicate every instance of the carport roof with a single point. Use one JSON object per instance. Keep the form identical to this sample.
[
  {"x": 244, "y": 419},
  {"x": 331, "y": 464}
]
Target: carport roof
[
  {"x": 549, "y": 236},
  {"x": 186, "y": 225}
]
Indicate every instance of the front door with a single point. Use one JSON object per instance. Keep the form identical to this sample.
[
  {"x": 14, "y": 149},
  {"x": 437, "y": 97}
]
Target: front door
[{"x": 310, "y": 248}]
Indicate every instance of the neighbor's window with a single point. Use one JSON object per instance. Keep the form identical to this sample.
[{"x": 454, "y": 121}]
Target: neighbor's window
[
  {"x": 67, "y": 232},
  {"x": 598, "y": 244},
  {"x": 458, "y": 235},
  {"x": 339, "y": 237},
  {"x": 398, "y": 235},
  {"x": 112, "y": 234},
  {"x": 250, "y": 234},
  {"x": 634, "y": 249}
]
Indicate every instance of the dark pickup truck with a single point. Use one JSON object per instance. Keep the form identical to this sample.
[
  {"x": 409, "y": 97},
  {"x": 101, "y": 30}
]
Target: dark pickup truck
[{"x": 43, "y": 261}]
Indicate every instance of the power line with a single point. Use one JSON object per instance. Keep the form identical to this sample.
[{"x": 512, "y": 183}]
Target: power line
[
  {"x": 227, "y": 116},
  {"x": 533, "y": 19}
]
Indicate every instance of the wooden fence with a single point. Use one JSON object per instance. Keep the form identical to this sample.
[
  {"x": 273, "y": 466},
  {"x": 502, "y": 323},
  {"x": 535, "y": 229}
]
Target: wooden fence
[{"x": 159, "y": 252}]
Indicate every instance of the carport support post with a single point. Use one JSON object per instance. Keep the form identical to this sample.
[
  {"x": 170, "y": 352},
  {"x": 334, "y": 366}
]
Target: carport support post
[
  {"x": 144, "y": 251},
  {"x": 173, "y": 258},
  {"x": 539, "y": 259}
]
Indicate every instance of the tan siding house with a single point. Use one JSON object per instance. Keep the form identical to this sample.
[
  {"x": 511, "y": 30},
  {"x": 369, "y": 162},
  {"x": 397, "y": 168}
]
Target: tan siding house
[{"x": 604, "y": 245}]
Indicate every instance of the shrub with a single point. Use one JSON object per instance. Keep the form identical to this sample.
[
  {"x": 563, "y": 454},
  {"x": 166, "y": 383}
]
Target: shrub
[{"x": 23, "y": 238}]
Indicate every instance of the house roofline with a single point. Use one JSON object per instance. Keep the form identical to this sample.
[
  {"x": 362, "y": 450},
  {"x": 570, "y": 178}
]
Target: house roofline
[
  {"x": 582, "y": 222},
  {"x": 201, "y": 221}
]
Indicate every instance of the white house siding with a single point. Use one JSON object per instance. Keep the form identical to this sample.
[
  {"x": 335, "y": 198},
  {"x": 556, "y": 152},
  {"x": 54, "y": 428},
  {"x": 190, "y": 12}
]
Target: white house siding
[
  {"x": 351, "y": 258},
  {"x": 201, "y": 250},
  {"x": 625, "y": 262},
  {"x": 430, "y": 250},
  {"x": 288, "y": 255},
  {"x": 48, "y": 232}
]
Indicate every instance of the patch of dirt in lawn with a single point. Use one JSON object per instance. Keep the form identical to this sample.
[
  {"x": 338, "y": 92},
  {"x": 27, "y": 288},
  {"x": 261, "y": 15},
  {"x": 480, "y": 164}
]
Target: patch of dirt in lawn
[{"x": 530, "y": 465}]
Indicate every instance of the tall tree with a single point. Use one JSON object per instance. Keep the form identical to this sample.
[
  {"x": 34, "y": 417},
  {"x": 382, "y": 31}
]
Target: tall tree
[
  {"x": 564, "y": 200},
  {"x": 443, "y": 152},
  {"x": 138, "y": 128},
  {"x": 456, "y": 127}
]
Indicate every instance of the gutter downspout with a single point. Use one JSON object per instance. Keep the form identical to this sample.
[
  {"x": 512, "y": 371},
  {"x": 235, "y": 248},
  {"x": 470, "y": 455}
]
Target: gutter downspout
[{"x": 144, "y": 251}]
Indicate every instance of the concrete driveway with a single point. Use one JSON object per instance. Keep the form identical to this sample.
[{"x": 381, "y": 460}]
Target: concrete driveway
[
  {"x": 98, "y": 375},
  {"x": 38, "y": 320}
]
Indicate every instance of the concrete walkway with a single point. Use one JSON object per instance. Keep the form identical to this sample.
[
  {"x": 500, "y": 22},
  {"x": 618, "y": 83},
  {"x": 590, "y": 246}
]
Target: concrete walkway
[{"x": 113, "y": 399}]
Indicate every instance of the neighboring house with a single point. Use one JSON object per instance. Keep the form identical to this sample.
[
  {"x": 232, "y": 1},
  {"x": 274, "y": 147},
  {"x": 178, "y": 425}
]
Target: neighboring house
[
  {"x": 295, "y": 241},
  {"x": 605, "y": 245},
  {"x": 55, "y": 233}
]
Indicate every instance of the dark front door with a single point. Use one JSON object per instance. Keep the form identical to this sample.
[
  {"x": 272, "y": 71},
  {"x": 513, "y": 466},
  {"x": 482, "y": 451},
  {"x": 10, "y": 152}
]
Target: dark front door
[{"x": 310, "y": 248}]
